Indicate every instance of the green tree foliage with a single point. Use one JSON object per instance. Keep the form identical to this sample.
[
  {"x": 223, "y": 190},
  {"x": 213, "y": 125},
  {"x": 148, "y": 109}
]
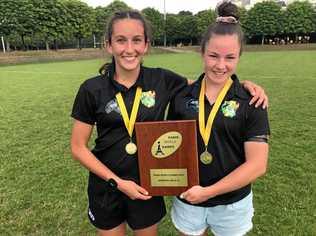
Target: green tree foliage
[
  {"x": 116, "y": 6},
  {"x": 51, "y": 21},
  {"x": 17, "y": 19},
  {"x": 314, "y": 21},
  {"x": 103, "y": 14},
  {"x": 299, "y": 18},
  {"x": 264, "y": 19},
  {"x": 9, "y": 17},
  {"x": 242, "y": 18},
  {"x": 81, "y": 19},
  {"x": 156, "y": 21},
  {"x": 35, "y": 23},
  {"x": 188, "y": 27},
  {"x": 173, "y": 26},
  {"x": 203, "y": 20},
  {"x": 242, "y": 15},
  {"x": 26, "y": 21},
  {"x": 100, "y": 22}
]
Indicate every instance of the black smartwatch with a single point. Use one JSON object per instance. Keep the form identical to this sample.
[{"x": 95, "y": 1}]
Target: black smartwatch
[{"x": 112, "y": 183}]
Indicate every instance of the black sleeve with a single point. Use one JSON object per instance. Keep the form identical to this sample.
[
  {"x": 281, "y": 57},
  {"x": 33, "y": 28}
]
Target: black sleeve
[
  {"x": 174, "y": 82},
  {"x": 257, "y": 123},
  {"x": 84, "y": 106},
  {"x": 172, "y": 112}
]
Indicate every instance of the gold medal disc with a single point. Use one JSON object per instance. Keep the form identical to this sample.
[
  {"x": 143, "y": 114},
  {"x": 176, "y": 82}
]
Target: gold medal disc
[
  {"x": 131, "y": 148},
  {"x": 206, "y": 157}
]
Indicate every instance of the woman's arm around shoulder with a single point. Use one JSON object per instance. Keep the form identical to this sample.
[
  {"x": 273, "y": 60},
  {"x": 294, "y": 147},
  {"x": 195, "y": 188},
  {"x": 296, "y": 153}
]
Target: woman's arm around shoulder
[{"x": 259, "y": 97}]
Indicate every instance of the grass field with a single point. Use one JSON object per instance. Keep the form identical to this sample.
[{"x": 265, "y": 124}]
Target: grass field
[{"x": 43, "y": 191}]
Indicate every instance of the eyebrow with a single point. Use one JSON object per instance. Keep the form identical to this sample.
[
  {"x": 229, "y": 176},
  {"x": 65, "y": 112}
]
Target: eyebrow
[
  {"x": 211, "y": 52},
  {"x": 123, "y": 36}
]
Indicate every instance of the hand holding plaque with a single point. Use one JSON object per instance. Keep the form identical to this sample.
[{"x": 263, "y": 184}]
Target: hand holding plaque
[{"x": 167, "y": 156}]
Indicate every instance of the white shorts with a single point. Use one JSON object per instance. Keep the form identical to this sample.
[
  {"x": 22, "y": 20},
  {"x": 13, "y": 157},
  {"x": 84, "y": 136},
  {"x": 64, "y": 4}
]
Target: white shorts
[{"x": 224, "y": 220}]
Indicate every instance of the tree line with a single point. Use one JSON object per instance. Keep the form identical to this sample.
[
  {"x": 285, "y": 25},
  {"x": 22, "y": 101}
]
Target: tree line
[{"x": 53, "y": 24}]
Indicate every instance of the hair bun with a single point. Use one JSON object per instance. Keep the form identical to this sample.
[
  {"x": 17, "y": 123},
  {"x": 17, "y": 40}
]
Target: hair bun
[{"x": 227, "y": 8}]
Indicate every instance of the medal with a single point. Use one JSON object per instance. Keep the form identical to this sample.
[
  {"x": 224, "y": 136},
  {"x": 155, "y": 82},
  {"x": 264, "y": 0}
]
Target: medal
[
  {"x": 131, "y": 148},
  {"x": 205, "y": 130},
  {"x": 129, "y": 122},
  {"x": 206, "y": 157}
]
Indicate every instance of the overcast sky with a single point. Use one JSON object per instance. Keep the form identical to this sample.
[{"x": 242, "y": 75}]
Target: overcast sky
[{"x": 172, "y": 6}]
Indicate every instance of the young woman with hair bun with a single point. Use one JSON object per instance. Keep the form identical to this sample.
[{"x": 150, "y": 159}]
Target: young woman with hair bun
[{"x": 232, "y": 137}]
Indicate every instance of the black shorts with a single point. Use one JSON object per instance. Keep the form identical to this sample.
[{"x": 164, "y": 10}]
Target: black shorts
[{"x": 108, "y": 209}]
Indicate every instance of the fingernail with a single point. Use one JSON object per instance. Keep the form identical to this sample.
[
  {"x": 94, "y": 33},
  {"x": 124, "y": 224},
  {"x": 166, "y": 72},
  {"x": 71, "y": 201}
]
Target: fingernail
[{"x": 181, "y": 196}]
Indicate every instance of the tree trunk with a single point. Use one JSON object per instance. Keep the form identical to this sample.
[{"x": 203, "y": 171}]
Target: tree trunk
[
  {"x": 80, "y": 43},
  {"x": 23, "y": 43},
  {"x": 8, "y": 45},
  {"x": 55, "y": 45},
  {"x": 47, "y": 46},
  {"x": 262, "y": 41}
]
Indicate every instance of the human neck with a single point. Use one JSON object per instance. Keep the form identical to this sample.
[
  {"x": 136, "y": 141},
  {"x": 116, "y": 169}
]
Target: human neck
[
  {"x": 126, "y": 78},
  {"x": 212, "y": 89}
]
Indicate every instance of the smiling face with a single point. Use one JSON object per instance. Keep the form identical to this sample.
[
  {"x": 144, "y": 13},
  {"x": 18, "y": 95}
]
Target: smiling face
[
  {"x": 221, "y": 57},
  {"x": 127, "y": 44}
]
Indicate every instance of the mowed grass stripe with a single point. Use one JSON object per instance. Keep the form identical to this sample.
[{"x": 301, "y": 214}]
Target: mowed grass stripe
[{"x": 43, "y": 191}]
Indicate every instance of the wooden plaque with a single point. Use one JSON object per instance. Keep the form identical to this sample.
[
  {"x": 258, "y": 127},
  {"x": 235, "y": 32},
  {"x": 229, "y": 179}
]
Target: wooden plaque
[{"x": 167, "y": 156}]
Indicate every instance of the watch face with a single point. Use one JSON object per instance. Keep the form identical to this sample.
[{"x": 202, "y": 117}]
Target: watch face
[{"x": 112, "y": 183}]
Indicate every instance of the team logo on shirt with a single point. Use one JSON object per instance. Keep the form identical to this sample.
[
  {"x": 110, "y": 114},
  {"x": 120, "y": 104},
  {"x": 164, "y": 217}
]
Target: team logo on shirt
[
  {"x": 148, "y": 98},
  {"x": 193, "y": 104},
  {"x": 229, "y": 108},
  {"x": 112, "y": 106}
]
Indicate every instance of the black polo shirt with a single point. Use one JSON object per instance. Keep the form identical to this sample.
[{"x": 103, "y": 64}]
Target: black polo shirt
[
  {"x": 96, "y": 104},
  {"x": 235, "y": 123}
]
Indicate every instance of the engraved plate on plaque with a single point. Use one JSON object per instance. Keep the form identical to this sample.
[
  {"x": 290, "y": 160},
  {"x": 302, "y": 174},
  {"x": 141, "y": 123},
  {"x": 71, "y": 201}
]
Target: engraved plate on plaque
[{"x": 169, "y": 177}]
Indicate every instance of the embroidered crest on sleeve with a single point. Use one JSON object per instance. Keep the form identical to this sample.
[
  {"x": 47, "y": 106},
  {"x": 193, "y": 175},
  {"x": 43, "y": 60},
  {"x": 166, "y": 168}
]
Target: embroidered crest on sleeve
[
  {"x": 112, "y": 106},
  {"x": 148, "y": 98},
  {"x": 229, "y": 108}
]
